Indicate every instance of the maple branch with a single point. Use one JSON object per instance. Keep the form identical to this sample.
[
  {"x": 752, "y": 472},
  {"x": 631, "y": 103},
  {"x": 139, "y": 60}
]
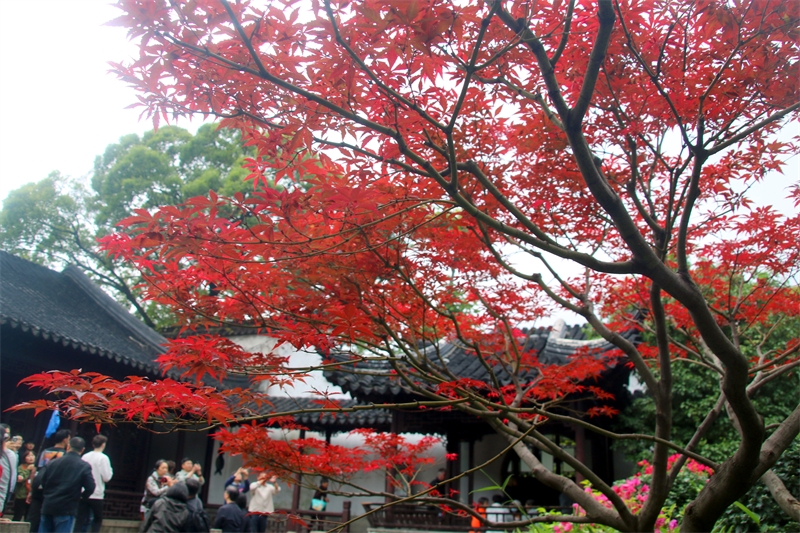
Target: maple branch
[
  {"x": 560, "y": 483},
  {"x": 625, "y": 345},
  {"x": 265, "y": 75},
  {"x": 777, "y": 443},
  {"x": 769, "y": 376},
  {"x": 542, "y": 240},
  {"x": 537, "y": 97},
  {"x": 565, "y": 35},
  {"x": 692, "y": 196},
  {"x": 752, "y": 129},
  {"x": 648, "y": 216},
  {"x": 653, "y": 78},
  {"x": 782, "y": 496},
  {"x": 588, "y": 261},
  {"x": 702, "y": 429},
  {"x": 536, "y": 278},
  {"x": 587, "y": 163},
  {"x": 470, "y": 70},
  {"x": 363, "y": 66},
  {"x": 606, "y": 16},
  {"x": 683, "y": 450},
  {"x": 372, "y": 155},
  {"x": 663, "y": 398},
  {"x": 794, "y": 349},
  {"x": 535, "y": 45}
]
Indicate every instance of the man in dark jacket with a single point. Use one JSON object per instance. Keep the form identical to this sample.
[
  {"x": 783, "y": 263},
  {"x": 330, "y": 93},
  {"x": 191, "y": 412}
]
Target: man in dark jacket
[
  {"x": 230, "y": 517},
  {"x": 65, "y": 481},
  {"x": 198, "y": 518},
  {"x": 169, "y": 513},
  {"x": 37, "y": 499}
]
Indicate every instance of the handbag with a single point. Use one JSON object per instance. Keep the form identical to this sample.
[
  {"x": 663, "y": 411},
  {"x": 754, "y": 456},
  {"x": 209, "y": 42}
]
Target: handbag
[{"x": 318, "y": 505}]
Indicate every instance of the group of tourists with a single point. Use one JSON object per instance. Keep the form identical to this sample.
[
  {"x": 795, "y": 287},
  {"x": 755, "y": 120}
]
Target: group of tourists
[
  {"x": 170, "y": 502},
  {"x": 62, "y": 492}
]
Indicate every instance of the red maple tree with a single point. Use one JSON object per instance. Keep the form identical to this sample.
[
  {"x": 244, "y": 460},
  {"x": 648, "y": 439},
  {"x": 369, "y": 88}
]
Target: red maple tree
[{"x": 425, "y": 170}]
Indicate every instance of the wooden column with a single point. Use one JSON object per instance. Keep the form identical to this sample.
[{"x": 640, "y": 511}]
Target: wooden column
[
  {"x": 298, "y": 479},
  {"x": 208, "y": 466},
  {"x": 179, "y": 453},
  {"x": 471, "y": 477},
  {"x": 346, "y": 515},
  {"x": 389, "y": 478},
  {"x": 452, "y": 466},
  {"x": 556, "y": 460},
  {"x": 580, "y": 449}
]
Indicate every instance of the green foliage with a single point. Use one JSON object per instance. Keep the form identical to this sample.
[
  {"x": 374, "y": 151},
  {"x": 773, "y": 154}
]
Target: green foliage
[
  {"x": 694, "y": 394},
  {"x": 39, "y": 218},
  {"x": 56, "y": 221},
  {"x": 757, "y": 510},
  {"x": 166, "y": 167}
]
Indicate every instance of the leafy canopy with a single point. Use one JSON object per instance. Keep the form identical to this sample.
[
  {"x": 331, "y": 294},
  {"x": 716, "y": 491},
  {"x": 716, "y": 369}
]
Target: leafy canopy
[{"x": 423, "y": 148}]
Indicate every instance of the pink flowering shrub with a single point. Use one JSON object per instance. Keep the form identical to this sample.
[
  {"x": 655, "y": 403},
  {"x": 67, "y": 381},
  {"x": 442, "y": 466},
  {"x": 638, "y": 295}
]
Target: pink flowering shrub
[
  {"x": 635, "y": 490},
  {"x": 688, "y": 484},
  {"x": 691, "y": 465}
]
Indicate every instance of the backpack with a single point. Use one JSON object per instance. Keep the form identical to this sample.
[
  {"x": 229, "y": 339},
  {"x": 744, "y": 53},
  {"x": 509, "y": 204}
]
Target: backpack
[{"x": 198, "y": 518}]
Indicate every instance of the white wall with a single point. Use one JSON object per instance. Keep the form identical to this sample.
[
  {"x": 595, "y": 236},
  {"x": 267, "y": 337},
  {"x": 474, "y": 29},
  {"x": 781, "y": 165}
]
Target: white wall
[{"x": 298, "y": 359}]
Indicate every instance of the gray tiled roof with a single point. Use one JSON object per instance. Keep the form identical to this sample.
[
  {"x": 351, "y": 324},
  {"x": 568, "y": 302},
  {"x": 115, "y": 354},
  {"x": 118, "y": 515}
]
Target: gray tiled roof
[
  {"x": 374, "y": 381},
  {"x": 365, "y": 417},
  {"x": 68, "y": 308}
]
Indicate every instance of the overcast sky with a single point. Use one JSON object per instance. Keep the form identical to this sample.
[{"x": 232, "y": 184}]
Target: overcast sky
[{"x": 59, "y": 106}]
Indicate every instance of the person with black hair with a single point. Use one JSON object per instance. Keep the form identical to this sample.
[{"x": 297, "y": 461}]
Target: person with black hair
[
  {"x": 198, "y": 518},
  {"x": 90, "y": 511},
  {"x": 319, "y": 502},
  {"x": 59, "y": 448},
  {"x": 230, "y": 517},
  {"x": 170, "y": 513},
  {"x": 156, "y": 485},
  {"x": 36, "y": 499},
  {"x": 239, "y": 480},
  {"x": 439, "y": 484},
  {"x": 8, "y": 467},
  {"x": 190, "y": 469},
  {"x": 64, "y": 482},
  {"x": 25, "y": 473},
  {"x": 497, "y": 512}
]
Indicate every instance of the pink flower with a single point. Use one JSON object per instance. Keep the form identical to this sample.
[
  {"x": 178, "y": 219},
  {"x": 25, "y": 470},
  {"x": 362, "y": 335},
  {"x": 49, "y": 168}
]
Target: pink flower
[{"x": 673, "y": 524}]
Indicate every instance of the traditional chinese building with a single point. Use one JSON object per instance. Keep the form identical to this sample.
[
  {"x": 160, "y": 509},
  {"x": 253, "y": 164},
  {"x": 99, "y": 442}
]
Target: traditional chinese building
[{"x": 53, "y": 320}]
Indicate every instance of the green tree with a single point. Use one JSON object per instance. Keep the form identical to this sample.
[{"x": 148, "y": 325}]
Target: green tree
[
  {"x": 57, "y": 221},
  {"x": 695, "y": 394}
]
